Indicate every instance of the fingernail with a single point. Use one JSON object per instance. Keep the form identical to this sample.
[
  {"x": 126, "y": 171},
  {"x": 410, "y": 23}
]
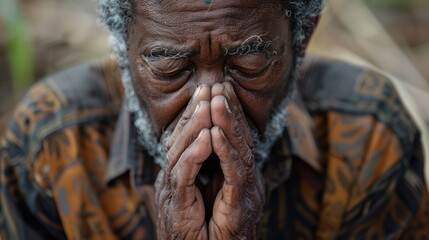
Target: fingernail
[
  {"x": 220, "y": 132},
  {"x": 197, "y": 92},
  {"x": 227, "y": 106},
  {"x": 228, "y": 87},
  {"x": 200, "y": 134},
  {"x": 196, "y": 109}
]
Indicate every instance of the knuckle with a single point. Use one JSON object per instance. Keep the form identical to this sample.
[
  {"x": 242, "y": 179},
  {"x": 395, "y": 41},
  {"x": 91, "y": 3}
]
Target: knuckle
[
  {"x": 248, "y": 158},
  {"x": 221, "y": 148},
  {"x": 163, "y": 198},
  {"x": 168, "y": 145},
  {"x": 238, "y": 127},
  {"x": 169, "y": 141},
  {"x": 174, "y": 180},
  {"x": 170, "y": 157},
  {"x": 249, "y": 142},
  {"x": 183, "y": 120}
]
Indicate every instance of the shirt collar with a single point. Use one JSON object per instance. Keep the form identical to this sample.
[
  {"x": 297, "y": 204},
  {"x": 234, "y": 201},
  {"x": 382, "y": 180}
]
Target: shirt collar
[
  {"x": 127, "y": 154},
  {"x": 297, "y": 144},
  {"x": 300, "y": 134},
  {"x": 120, "y": 147}
]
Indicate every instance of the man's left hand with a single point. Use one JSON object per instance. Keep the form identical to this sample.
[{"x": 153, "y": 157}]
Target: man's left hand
[{"x": 238, "y": 205}]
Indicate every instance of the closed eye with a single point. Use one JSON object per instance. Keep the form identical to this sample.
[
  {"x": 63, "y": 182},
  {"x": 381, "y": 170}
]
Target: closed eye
[
  {"x": 173, "y": 75},
  {"x": 169, "y": 69},
  {"x": 249, "y": 66},
  {"x": 237, "y": 71}
]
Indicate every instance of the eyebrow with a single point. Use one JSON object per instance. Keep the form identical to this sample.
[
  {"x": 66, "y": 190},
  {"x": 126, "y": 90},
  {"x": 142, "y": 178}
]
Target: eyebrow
[
  {"x": 248, "y": 47},
  {"x": 158, "y": 53},
  {"x": 253, "y": 44}
]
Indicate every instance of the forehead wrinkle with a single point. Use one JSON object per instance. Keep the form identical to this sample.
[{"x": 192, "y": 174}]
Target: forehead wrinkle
[
  {"x": 178, "y": 12},
  {"x": 231, "y": 31},
  {"x": 187, "y": 29},
  {"x": 193, "y": 17},
  {"x": 203, "y": 4},
  {"x": 162, "y": 34}
]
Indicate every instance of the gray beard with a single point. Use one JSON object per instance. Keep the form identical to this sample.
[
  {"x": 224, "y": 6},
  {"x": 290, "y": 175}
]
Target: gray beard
[{"x": 147, "y": 137}]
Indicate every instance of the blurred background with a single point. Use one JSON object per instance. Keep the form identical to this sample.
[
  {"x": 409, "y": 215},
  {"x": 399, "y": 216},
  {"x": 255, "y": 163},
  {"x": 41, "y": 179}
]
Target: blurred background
[{"x": 38, "y": 37}]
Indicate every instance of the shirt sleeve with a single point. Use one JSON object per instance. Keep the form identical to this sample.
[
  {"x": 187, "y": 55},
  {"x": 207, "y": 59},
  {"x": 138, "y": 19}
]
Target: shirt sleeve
[
  {"x": 23, "y": 203},
  {"x": 377, "y": 185},
  {"x": 53, "y": 160},
  {"x": 417, "y": 227}
]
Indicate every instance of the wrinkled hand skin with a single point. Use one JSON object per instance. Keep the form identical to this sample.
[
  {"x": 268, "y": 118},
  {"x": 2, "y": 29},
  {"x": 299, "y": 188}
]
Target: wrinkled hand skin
[
  {"x": 239, "y": 203},
  {"x": 179, "y": 202},
  {"x": 213, "y": 122}
]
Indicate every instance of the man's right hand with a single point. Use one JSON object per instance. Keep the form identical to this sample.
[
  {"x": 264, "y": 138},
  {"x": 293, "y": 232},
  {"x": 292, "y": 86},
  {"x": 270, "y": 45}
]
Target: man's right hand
[{"x": 178, "y": 200}]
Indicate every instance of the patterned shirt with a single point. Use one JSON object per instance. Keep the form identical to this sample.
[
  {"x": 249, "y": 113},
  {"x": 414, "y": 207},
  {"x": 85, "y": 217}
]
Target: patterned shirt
[{"x": 349, "y": 165}]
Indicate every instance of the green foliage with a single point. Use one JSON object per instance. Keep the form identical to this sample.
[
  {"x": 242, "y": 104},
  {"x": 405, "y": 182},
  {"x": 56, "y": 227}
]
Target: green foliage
[{"x": 18, "y": 46}]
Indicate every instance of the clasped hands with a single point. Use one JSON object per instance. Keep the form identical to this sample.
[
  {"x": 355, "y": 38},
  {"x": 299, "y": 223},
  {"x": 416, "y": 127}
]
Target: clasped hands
[{"x": 213, "y": 122}]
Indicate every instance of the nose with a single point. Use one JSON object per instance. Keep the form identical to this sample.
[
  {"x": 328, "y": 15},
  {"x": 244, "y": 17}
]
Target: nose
[{"x": 210, "y": 75}]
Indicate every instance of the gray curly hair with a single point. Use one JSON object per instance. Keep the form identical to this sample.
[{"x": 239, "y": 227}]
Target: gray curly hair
[{"x": 115, "y": 15}]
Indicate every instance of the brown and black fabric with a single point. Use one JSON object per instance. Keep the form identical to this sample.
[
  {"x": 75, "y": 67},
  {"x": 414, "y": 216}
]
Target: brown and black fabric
[{"x": 349, "y": 164}]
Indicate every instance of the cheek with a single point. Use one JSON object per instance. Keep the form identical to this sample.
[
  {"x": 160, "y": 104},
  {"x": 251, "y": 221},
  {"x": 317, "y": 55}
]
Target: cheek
[
  {"x": 258, "y": 105},
  {"x": 163, "y": 107}
]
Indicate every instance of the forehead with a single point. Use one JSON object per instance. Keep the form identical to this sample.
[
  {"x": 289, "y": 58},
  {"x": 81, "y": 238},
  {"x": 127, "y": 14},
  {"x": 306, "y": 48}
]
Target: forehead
[
  {"x": 187, "y": 18},
  {"x": 168, "y": 6}
]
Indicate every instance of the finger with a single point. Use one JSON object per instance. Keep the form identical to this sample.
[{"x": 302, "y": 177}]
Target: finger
[
  {"x": 162, "y": 189},
  {"x": 229, "y": 93},
  {"x": 233, "y": 125},
  {"x": 235, "y": 106},
  {"x": 202, "y": 93},
  {"x": 198, "y": 121},
  {"x": 217, "y": 90},
  {"x": 184, "y": 173},
  {"x": 229, "y": 161}
]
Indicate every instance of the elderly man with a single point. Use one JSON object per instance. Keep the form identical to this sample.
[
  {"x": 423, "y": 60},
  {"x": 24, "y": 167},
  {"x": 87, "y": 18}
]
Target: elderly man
[{"x": 222, "y": 131}]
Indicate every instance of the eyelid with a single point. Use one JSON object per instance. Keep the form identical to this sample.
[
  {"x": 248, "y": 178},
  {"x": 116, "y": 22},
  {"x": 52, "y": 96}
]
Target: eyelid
[
  {"x": 169, "y": 69},
  {"x": 251, "y": 66},
  {"x": 174, "y": 75},
  {"x": 250, "y": 76},
  {"x": 164, "y": 64},
  {"x": 251, "y": 62}
]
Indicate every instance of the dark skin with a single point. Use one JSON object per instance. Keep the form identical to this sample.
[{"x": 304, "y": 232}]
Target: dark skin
[{"x": 192, "y": 78}]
